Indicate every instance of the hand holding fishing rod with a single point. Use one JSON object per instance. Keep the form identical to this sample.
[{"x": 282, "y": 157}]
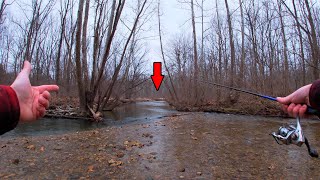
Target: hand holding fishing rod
[{"x": 297, "y": 103}]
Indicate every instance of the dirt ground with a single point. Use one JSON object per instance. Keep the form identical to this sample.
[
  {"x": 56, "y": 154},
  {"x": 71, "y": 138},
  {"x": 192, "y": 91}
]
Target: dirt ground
[{"x": 190, "y": 146}]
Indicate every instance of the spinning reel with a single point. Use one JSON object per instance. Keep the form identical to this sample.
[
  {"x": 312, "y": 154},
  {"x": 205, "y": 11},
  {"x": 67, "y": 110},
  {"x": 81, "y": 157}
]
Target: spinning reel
[{"x": 293, "y": 135}]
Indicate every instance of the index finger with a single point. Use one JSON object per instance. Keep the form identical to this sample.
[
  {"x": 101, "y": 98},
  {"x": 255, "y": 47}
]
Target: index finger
[{"x": 48, "y": 88}]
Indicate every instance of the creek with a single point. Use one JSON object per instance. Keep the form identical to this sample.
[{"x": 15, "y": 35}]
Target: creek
[{"x": 129, "y": 113}]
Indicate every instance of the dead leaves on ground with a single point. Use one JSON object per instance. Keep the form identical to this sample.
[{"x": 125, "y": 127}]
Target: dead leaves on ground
[
  {"x": 127, "y": 145},
  {"x": 42, "y": 149},
  {"x": 130, "y": 144},
  {"x": 90, "y": 168},
  {"x": 31, "y": 147},
  {"x": 113, "y": 163}
]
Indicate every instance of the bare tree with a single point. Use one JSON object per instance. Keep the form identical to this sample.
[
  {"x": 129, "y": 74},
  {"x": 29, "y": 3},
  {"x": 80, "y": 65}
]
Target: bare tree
[
  {"x": 301, "y": 43},
  {"x": 173, "y": 94},
  {"x": 285, "y": 50},
  {"x": 3, "y": 6},
  {"x": 195, "y": 53},
  {"x": 63, "y": 15},
  {"x": 243, "y": 51},
  {"x": 232, "y": 48}
]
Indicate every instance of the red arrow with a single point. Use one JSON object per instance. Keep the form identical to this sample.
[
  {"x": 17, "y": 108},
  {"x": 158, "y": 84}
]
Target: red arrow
[{"x": 157, "y": 76}]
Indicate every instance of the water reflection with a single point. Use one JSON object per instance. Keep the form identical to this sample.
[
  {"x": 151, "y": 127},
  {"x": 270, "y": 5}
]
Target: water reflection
[
  {"x": 130, "y": 113},
  {"x": 139, "y": 111}
]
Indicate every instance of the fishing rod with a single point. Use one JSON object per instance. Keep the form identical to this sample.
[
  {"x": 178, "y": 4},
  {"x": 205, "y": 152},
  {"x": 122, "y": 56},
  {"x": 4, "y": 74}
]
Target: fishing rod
[
  {"x": 286, "y": 134},
  {"x": 310, "y": 110}
]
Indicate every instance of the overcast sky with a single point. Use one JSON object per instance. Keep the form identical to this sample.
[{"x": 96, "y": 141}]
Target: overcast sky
[{"x": 175, "y": 20}]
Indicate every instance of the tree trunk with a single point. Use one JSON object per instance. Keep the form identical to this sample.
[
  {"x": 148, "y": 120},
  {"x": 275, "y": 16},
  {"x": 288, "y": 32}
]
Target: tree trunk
[
  {"x": 115, "y": 75},
  {"x": 84, "y": 46},
  {"x": 285, "y": 50},
  {"x": 220, "y": 45},
  {"x": 112, "y": 27},
  {"x": 63, "y": 27},
  {"x": 174, "y": 95},
  {"x": 195, "y": 54},
  {"x": 231, "y": 43},
  {"x": 243, "y": 51},
  {"x": 301, "y": 45},
  {"x": 81, "y": 89}
]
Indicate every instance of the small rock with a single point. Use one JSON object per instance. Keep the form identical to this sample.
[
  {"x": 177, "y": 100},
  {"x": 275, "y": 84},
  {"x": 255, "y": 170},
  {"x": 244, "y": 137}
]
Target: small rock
[
  {"x": 181, "y": 177},
  {"x": 15, "y": 161},
  {"x": 153, "y": 153},
  {"x": 182, "y": 169},
  {"x": 199, "y": 173}
]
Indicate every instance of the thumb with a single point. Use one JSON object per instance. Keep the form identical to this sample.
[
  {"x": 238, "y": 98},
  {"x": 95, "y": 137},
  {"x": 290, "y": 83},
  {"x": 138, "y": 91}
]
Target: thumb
[
  {"x": 284, "y": 100},
  {"x": 26, "y": 67}
]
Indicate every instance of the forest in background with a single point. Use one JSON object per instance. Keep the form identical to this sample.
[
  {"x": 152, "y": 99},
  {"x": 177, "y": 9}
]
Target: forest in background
[{"x": 97, "y": 50}]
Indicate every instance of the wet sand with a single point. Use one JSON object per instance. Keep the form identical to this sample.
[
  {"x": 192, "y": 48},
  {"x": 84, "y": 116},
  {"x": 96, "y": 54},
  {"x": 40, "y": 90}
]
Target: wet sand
[{"x": 191, "y": 146}]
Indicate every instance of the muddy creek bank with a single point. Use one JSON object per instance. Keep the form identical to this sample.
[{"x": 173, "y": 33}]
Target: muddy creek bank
[{"x": 191, "y": 146}]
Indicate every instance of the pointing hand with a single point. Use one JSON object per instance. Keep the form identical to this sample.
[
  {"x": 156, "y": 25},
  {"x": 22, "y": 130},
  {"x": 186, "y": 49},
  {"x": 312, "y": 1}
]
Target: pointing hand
[{"x": 33, "y": 100}]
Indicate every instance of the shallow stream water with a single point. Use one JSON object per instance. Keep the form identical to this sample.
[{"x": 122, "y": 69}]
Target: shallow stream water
[{"x": 129, "y": 113}]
